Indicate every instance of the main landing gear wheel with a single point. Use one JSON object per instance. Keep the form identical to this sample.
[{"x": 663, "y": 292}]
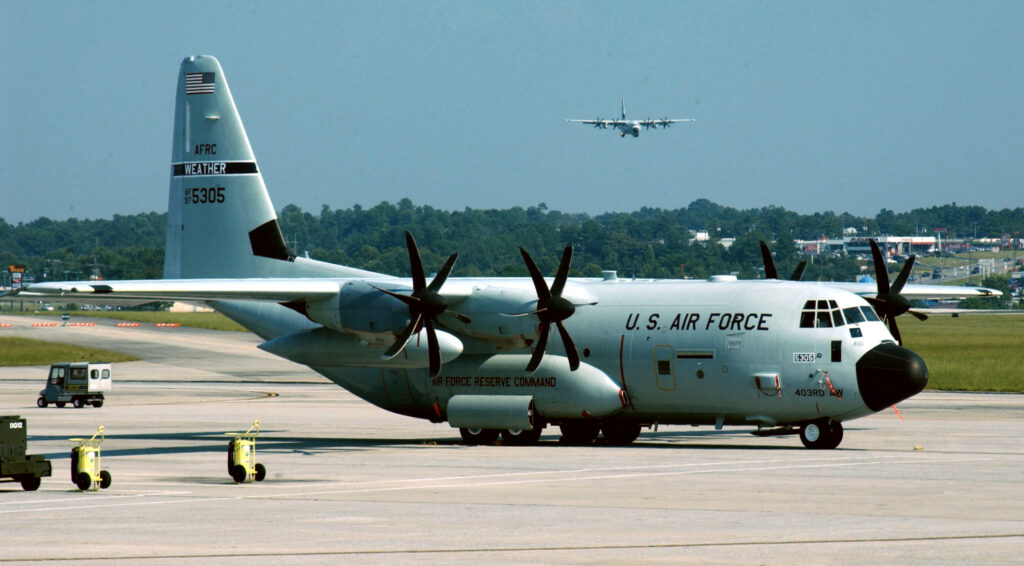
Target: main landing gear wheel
[
  {"x": 473, "y": 436},
  {"x": 579, "y": 433},
  {"x": 522, "y": 437},
  {"x": 620, "y": 434},
  {"x": 822, "y": 434}
]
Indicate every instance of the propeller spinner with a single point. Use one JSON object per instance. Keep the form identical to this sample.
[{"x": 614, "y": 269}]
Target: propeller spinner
[{"x": 425, "y": 305}]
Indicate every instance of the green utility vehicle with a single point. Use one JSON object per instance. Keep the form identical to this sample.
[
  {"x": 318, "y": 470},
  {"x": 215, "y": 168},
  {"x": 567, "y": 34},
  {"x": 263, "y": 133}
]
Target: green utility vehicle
[{"x": 14, "y": 464}]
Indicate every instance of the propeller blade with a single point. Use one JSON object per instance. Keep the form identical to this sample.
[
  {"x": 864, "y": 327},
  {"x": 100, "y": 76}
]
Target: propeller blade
[
  {"x": 461, "y": 317},
  {"x": 539, "y": 347},
  {"x": 881, "y": 274},
  {"x": 563, "y": 272},
  {"x": 919, "y": 315},
  {"x": 769, "y": 263},
  {"x": 402, "y": 340},
  {"x": 419, "y": 281},
  {"x": 895, "y": 330},
  {"x": 798, "y": 273},
  {"x": 538, "y": 280},
  {"x": 446, "y": 269},
  {"x": 901, "y": 279},
  {"x": 404, "y": 298},
  {"x": 433, "y": 350},
  {"x": 570, "y": 347}
]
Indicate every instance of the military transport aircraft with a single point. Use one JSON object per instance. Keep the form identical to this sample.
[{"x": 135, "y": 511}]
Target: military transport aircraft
[
  {"x": 631, "y": 127},
  {"x": 480, "y": 353}
]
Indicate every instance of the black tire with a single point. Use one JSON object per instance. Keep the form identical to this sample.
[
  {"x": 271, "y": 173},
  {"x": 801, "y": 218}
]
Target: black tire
[
  {"x": 620, "y": 433},
  {"x": 238, "y": 473},
  {"x": 579, "y": 433},
  {"x": 97, "y": 403},
  {"x": 522, "y": 437},
  {"x": 261, "y": 472},
  {"x": 78, "y": 403},
  {"x": 30, "y": 483},
  {"x": 478, "y": 435},
  {"x": 105, "y": 479},
  {"x": 83, "y": 481},
  {"x": 821, "y": 434},
  {"x": 60, "y": 404},
  {"x": 41, "y": 402},
  {"x": 74, "y": 463}
]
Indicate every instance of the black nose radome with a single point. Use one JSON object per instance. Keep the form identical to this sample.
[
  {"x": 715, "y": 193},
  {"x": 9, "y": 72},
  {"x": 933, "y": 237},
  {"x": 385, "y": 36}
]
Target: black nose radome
[{"x": 888, "y": 374}]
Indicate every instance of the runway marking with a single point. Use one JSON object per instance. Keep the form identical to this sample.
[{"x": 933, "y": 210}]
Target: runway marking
[
  {"x": 520, "y": 550},
  {"x": 442, "y": 482}
]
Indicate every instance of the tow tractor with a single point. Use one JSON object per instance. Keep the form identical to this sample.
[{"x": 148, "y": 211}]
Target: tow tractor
[
  {"x": 85, "y": 463},
  {"x": 242, "y": 456},
  {"x": 78, "y": 383},
  {"x": 14, "y": 464}
]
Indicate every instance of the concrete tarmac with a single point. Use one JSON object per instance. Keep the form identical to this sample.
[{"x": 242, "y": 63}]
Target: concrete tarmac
[{"x": 350, "y": 483}]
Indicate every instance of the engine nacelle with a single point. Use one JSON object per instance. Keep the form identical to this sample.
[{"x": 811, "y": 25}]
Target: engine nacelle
[
  {"x": 489, "y": 308},
  {"x": 323, "y": 347},
  {"x": 360, "y": 309}
]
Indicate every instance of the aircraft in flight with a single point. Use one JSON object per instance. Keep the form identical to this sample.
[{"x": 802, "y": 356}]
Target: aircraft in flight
[
  {"x": 509, "y": 356},
  {"x": 631, "y": 127}
]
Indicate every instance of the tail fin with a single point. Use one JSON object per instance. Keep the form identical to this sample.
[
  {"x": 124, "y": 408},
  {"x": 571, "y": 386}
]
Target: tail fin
[
  {"x": 623, "y": 108},
  {"x": 220, "y": 221}
]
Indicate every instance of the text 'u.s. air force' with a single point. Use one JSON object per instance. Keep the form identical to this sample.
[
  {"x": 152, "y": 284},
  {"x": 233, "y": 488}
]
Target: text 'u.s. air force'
[{"x": 692, "y": 321}]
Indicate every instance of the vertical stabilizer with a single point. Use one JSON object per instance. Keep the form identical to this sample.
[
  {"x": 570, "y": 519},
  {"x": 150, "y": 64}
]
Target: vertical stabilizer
[
  {"x": 623, "y": 108},
  {"x": 220, "y": 221}
]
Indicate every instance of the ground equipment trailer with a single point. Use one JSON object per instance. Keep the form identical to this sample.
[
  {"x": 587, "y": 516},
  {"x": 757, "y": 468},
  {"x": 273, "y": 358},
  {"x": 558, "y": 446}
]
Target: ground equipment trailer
[
  {"x": 14, "y": 463},
  {"x": 78, "y": 383}
]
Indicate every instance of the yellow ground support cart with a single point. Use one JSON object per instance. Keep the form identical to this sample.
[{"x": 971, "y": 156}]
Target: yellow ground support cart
[
  {"x": 242, "y": 456},
  {"x": 85, "y": 463}
]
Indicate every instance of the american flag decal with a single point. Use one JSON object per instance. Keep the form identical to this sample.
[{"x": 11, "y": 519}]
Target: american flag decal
[{"x": 199, "y": 83}]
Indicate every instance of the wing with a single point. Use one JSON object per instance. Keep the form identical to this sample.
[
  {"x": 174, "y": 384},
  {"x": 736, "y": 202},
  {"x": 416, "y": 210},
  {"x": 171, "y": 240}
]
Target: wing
[
  {"x": 276, "y": 290},
  {"x": 921, "y": 291}
]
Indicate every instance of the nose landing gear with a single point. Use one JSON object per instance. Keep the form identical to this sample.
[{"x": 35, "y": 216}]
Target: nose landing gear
[{"x": 822, "y": 434}]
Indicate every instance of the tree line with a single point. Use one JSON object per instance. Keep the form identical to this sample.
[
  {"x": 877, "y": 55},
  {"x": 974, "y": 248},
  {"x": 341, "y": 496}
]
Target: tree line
[{"x": 650, "y": 242}]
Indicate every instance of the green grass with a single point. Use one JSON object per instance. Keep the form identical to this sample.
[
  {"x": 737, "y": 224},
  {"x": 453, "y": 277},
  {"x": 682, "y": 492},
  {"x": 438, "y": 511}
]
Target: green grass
[
  {"x": 16, "y": 351},
  {"x": 208, "y": 320},
  {"x": 973, "y": 352}
]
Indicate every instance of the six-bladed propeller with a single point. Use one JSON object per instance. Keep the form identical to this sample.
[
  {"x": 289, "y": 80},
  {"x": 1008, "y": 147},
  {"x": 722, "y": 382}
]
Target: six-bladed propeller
[
  {"x": 889, "y": 303},
  {"x": 552, "y": 308},
  {"x": 425, "y": 305}
]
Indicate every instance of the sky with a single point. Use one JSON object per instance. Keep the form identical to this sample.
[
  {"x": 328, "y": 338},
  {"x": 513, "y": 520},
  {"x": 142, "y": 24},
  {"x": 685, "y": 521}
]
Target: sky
[{"x": 811, "y": 106}]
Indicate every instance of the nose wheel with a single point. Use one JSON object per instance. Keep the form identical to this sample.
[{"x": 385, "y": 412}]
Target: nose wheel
[{"x": 822, "y": 434}]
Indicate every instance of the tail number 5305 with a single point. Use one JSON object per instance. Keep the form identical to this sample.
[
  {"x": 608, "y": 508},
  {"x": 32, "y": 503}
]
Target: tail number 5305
[{"x": 204, "y": 195}]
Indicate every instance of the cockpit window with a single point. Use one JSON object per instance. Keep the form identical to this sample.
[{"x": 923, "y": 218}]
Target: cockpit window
[
  {"x": 837, "y": 317},
  {"x": 869, "y": 313},
  {"x": 822, "y": 313},
  {"x": 824, "y": 320},
  {"x": 853, "y": 315}
]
